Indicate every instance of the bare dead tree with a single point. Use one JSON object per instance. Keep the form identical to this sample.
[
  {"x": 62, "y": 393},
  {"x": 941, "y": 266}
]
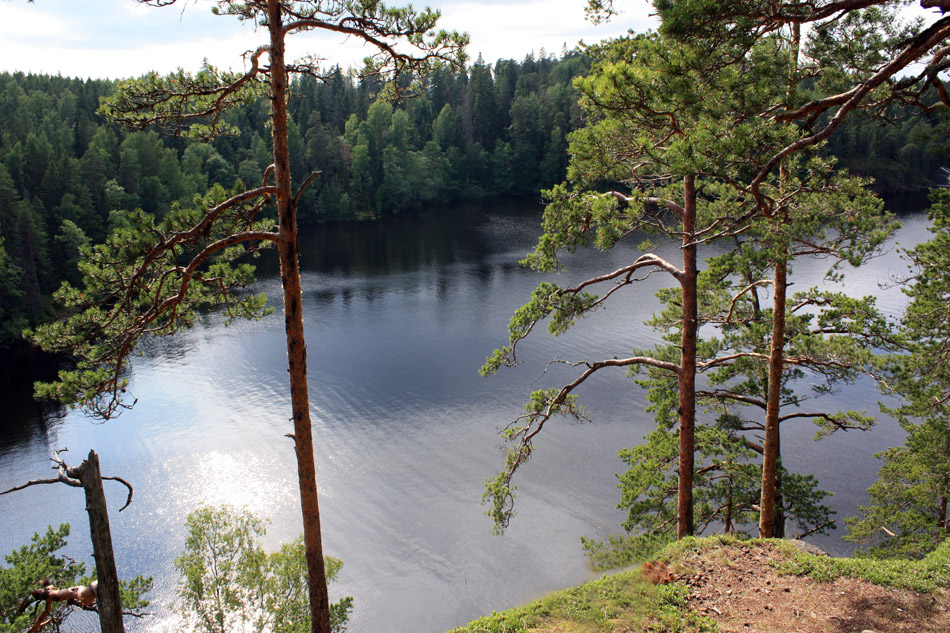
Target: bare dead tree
[{"x": 105, "y": 593}]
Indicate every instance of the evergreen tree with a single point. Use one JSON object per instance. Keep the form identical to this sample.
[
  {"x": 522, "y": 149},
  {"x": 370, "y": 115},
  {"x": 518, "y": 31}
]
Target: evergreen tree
[
  {"x": 657, "y": 110},
  {"x": 907, "y": 514}
]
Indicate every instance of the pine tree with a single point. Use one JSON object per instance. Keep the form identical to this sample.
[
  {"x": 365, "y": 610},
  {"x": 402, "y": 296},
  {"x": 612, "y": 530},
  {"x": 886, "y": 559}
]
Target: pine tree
[
  {"x": 908, "y": 514},
  {"x": 151, "y": 278}
]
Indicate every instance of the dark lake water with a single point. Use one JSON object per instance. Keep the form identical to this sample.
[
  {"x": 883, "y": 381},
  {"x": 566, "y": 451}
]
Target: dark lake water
[{"x": 399, "y": 317}]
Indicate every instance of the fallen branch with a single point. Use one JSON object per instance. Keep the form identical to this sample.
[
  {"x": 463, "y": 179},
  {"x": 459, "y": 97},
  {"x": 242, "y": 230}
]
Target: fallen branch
[{"x": 82, "y": 596}]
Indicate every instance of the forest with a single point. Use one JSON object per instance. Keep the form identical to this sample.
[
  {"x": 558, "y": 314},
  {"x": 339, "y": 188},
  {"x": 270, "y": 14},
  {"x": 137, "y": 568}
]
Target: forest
[
  {"x": 458, "y": 138},
  {"x": 139, "y": 205},
  {"x": 67, "y": 174}
]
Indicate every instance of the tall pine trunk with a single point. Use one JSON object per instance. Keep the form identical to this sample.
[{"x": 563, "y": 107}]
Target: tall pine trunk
[
  {"x": 769, "y": 516},
  {"x": 770, "y": 457},
  {"x": 293, "y": 325},
  {"x": 687, "y": 373}
]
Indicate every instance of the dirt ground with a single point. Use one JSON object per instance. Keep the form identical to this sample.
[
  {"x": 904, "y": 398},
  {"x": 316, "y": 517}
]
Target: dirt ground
[{"x": 737, "y": 587}]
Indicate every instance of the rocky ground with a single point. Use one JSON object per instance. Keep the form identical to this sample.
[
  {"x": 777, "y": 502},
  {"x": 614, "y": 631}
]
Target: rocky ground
[{"x": 739, "y": 588}]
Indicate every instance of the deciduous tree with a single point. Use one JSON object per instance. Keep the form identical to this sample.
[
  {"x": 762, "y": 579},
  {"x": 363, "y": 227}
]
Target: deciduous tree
[{"x": 229, "y": 583}]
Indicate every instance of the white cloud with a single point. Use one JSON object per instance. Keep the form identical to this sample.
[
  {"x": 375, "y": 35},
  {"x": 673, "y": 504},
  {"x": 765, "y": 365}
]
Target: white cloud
[
  {"x": 516, "y": 28},
  {"x": 22, "y": 22},
  {"x": 121, "y": 38},
  {"x": 117, "y": 62}
]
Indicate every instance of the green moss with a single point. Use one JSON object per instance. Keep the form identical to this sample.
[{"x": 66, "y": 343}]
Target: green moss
[
  {"x": 673, "y": 553},
  {"x": 926, "y": 575}
]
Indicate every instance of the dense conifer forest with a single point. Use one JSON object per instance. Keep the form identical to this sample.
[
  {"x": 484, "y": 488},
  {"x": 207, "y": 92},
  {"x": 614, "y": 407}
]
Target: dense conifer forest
[{"x": 67, "y": 175}]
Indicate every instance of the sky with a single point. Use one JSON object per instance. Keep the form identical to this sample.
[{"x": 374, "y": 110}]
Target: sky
[{"x": 121, "y": 38}]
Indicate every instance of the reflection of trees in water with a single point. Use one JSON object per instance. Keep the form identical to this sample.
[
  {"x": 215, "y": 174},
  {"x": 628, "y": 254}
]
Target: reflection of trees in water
[
  {"x": 25, "y": 421},
  {"x": 408, "y": 244},
  {"x": 347, "y": 290},
  {"x": 360, "y": 256},
  {"x": 379, "y": 248}
]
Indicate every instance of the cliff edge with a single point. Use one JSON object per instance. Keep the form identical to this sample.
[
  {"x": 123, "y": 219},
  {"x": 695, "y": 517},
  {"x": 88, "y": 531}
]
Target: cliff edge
[{"x": 726, "y": 585}]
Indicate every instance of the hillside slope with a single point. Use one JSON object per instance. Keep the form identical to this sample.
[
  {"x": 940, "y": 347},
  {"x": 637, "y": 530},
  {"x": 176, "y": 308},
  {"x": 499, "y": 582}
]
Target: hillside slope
[{"x": 727, "y": 585}]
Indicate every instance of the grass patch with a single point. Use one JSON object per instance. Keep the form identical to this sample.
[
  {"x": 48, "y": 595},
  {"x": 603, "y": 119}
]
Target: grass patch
[
  {"x": 673, "y": 553},
  {"x": 925, "y": 575},
  {"x": 622, "y": 551},
  {"x": 624, "y": 601},
  {"x": 628, "y": 602}
]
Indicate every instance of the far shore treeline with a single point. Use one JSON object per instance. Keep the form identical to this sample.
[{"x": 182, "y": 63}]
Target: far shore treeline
[{"x": 67, "y": 175}]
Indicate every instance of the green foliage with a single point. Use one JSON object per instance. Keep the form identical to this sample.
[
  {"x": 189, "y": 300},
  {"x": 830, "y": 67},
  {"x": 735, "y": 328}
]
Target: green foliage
[
  {"x": 830, "y": 339},
  {"x": 150, "y": 278},
  {"x": 923, "y": 376},
  {"x": 32, "y": 563},
  {"x": 726, "y": 487},
  {"x": 510, "y": 122},
  {"x": 87, "y": 171},
  {"x": 668, "y": 102},
  {"x": 903, "y": 156},
  {"x": 710, "y": 103},
  {"x": 544, "y": 404},
  {"x": 648, "y": 135},
  {"x": 11, "y": 316},
  {"x": 907, "y": 515},
  {"x": 547, "y": 301},
  {"x": 41, "y": 560},
  {"x": 674, "y": 615},
  {"x": 623, "y": 551},
  {"x": 69, "y": 242},
  {"x": 192, "y": 105},
  {"x": 626, "y": 601},
  {"x": 576, "y": 218},
  {"x": 928, "y": 574},
  {"x": 228, "y": 582}
]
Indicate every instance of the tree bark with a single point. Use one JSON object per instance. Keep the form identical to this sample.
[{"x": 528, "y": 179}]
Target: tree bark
[
  {"x": 772, "y": 517},
  {"x": 770, "y": 458},
  {"x": 293, "y": 325},
  {"x": 778, "y": 528},
  {"x": 108, "y": 602},
  {"x": 687, "y": 373}
]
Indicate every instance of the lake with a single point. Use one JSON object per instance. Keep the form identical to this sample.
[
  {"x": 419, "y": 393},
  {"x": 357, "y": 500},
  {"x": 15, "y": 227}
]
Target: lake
[{"x": 399, "y": 317}]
